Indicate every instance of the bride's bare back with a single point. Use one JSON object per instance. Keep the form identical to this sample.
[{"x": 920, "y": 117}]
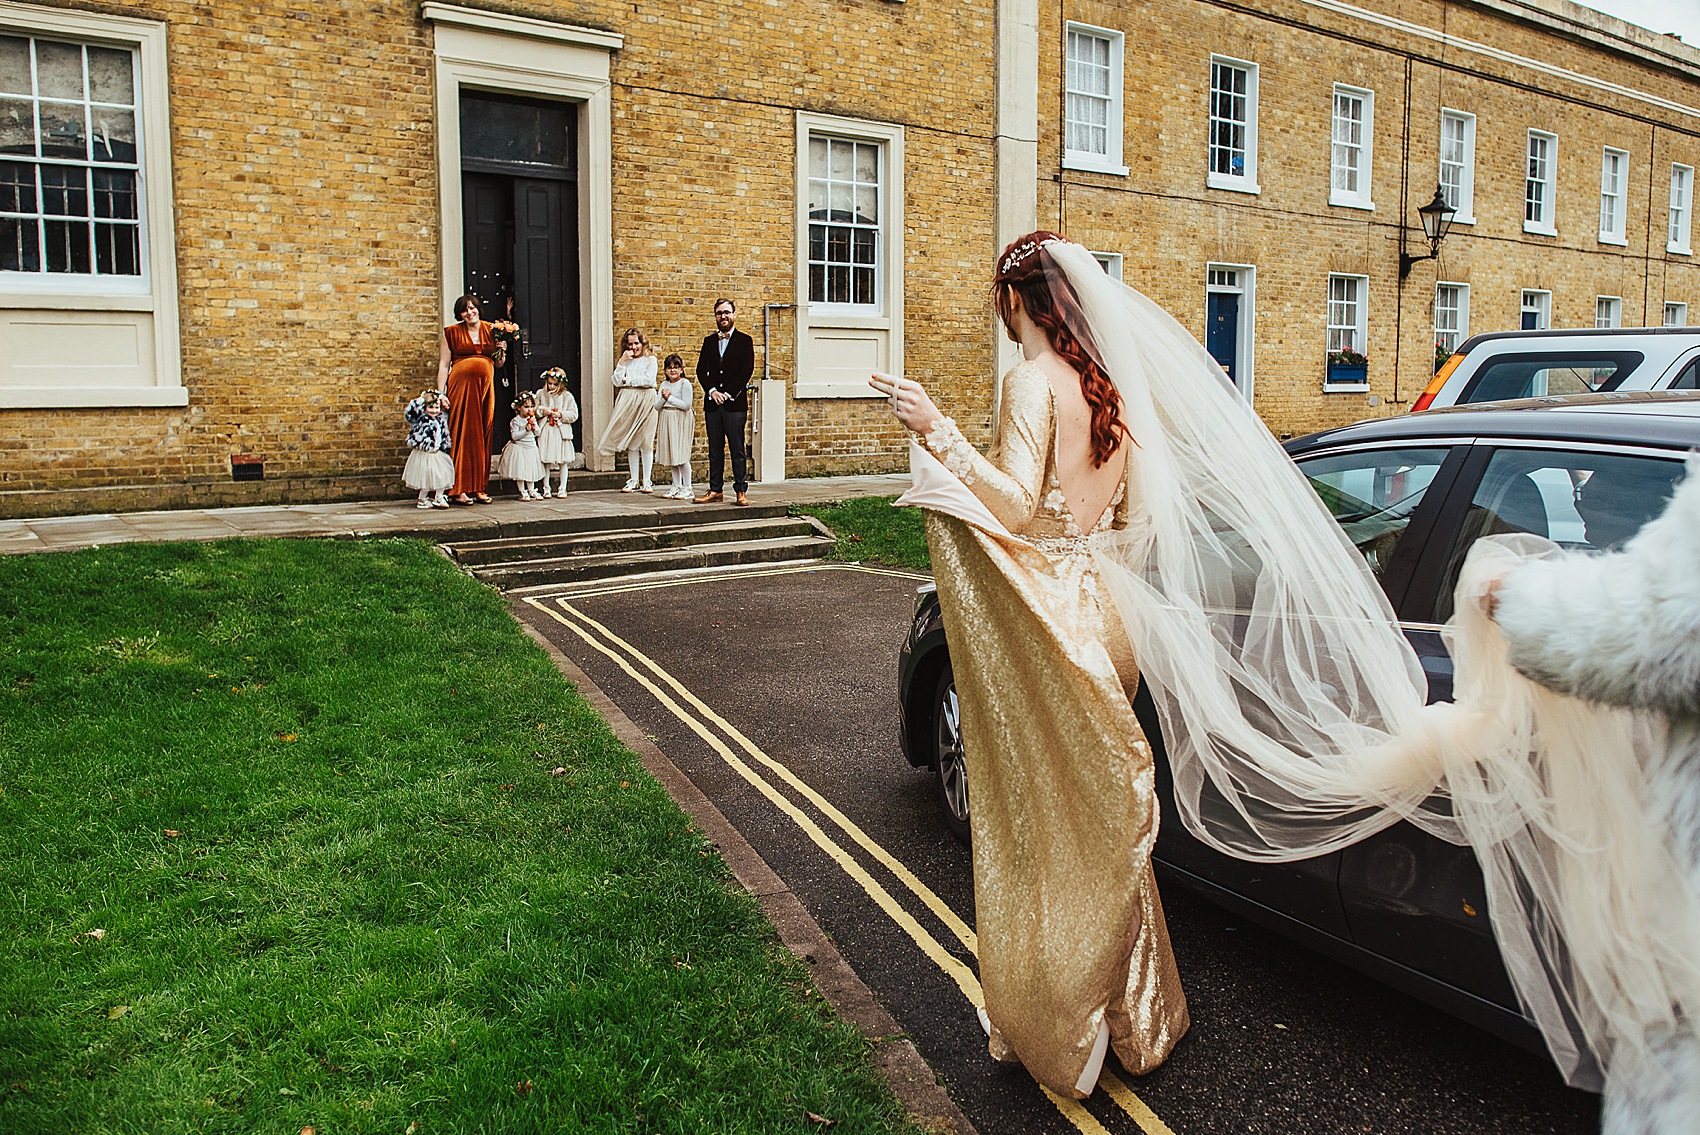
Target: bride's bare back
[{"x": 1087, "y": 489}]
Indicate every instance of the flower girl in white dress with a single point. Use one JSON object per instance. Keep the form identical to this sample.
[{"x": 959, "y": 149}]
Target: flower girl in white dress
[
  {"x": 520, "y": 463},
  {"x": 557, "y": 410},
  {"x": 676, "y": 402}
]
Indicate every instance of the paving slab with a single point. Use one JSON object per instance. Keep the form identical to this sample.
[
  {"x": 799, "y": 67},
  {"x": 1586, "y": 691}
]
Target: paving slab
[{"x": 505, "y": 516}]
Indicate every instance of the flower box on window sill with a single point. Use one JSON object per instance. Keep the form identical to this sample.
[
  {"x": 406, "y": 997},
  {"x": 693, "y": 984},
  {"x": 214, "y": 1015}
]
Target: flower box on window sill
[{"x": 1348, "y": 374}]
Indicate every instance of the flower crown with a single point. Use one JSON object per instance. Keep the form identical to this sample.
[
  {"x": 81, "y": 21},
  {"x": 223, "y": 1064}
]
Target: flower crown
[
  {"x": 430, "y": 397},
  {"x": 523, "y": 401},
  {"x": 554, "y": 372},
  {"x": 1017, "y": 256}
]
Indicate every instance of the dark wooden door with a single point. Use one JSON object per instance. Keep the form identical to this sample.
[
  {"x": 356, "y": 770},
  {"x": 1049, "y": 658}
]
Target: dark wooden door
[{"x": 545, "y": 286}]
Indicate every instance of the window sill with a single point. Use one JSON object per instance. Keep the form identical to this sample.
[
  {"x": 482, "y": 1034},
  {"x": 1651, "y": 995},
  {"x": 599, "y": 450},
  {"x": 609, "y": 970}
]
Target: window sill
[
  {"x": 83, "y": 397},
  {"x": 1232, "y": 184},
  {"x": 1540, "y": 230},
  {"x": 1621, "y": 242},
  {"x": 1091, "y": 163},
  {"x": 1460, "y": 219},
  {"x": 1684, "y": 250},
  {"x": 1345, "y": 388},
  {"x": 834, "y": 315},
  {"x": 1352, "y": 203}
]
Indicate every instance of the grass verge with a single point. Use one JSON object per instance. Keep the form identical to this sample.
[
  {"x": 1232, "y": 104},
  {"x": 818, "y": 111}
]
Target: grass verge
[
  {"x": 869, "y": 530},
  {"x": 282, "y": 848}
]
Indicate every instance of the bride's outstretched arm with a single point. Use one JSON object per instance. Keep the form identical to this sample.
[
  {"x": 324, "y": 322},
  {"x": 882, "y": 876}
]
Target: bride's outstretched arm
[{"x": 1010, "y": 481}]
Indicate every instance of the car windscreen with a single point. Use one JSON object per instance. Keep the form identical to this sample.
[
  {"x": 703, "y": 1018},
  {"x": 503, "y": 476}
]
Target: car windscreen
[{"x": 1537, "y": 374}]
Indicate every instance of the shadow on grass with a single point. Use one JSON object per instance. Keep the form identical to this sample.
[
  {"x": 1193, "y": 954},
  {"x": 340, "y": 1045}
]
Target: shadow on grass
[{"x": 283, "y": 848}]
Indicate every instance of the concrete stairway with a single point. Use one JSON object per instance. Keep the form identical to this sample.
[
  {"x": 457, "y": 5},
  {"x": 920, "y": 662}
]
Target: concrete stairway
[{"x": 577, "y": 549}]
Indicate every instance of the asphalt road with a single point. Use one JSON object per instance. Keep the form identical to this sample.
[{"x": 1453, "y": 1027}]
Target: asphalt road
[{"x": 779, "y": 685}]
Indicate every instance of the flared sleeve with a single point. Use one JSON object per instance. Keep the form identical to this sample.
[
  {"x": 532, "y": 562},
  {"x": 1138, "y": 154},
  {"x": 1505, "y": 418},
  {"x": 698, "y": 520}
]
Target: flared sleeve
[{"x": 1010, "y": 480}]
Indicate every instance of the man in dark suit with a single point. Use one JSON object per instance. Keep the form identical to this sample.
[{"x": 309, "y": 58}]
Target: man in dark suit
[{"x": 723, "y": 371}]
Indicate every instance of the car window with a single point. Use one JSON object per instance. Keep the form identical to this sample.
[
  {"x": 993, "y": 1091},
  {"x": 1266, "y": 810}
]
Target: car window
[
  {"x": 1689, "y": 379},
  {"x": 1372, "y": 494},
  {"x": 1537, "y": 375},
  {"x": 1589, "y": 501}
]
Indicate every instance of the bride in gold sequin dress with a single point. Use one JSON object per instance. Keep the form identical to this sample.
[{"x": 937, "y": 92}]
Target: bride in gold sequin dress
[
  {"x": 1073, "y": 950},
  {"x": 1132, "y": 510}
]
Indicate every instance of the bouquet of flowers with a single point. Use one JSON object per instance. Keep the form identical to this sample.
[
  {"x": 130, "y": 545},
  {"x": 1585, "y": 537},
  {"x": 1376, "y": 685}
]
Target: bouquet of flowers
[{"x": 503, "y": 332}]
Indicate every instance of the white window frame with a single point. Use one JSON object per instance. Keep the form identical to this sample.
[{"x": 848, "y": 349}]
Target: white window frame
[
  {"x": 1681, "y": 214},
  {"x": 127, "y": 329},
  {"x": 1608, "y": 312},
  {"x": 1246, "y": 180},
  {"x": 1110, "y": 161},
  {"x": 1461, "y": 313},
  {"x": 1359, "y": 329},
  {"x": 1359, "y": 198},
  {"x": 828, "y": 334},
  {"x": 1111, "y": 263},
  {"x": 1547, "y": 223},
  {"x": 1676, "y": 314},
  {"x": 1538, "y": 300},
  {"x": 1466, "y": 164},
  {"x": 879, "y": 269},
  {"x": 1614, "y": 195},
  {"x": 1246, "y": 381}
]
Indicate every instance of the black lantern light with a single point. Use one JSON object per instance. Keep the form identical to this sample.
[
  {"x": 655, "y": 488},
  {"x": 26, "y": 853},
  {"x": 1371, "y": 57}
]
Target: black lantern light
[{"x": 1437, "y": 222}]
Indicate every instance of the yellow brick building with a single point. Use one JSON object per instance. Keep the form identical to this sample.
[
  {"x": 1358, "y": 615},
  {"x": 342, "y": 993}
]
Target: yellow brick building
[{"x": 230, "y": 233}]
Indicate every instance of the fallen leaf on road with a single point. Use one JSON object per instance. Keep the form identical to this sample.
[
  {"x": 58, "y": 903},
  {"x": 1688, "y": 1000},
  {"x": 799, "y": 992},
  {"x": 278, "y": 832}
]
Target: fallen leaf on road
[
  {"x": 1280, "y": 1026},
  {"x": 820, "y": 1119},
  {"x": 116, "y": 1011}
]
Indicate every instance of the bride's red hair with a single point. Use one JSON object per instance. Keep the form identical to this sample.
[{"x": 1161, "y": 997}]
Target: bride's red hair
[{"x": 1051, "y": 304}]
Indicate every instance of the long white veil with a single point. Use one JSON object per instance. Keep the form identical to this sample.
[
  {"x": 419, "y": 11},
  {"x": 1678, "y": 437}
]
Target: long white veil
[{"x": 1292, "y": 706}]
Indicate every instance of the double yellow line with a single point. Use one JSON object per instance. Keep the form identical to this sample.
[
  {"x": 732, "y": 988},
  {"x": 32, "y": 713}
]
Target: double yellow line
[{"x": 698, "y": 716}]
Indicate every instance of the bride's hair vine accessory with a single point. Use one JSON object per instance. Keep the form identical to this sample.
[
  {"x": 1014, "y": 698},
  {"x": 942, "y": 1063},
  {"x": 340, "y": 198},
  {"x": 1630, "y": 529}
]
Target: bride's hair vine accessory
[{"x": 1018, "y": 252}]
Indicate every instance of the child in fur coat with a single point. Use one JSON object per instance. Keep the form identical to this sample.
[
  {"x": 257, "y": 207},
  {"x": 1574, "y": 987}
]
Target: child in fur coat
[
  {"x": 1623, "y": 628},
  {"x": 429, "y": 467}
]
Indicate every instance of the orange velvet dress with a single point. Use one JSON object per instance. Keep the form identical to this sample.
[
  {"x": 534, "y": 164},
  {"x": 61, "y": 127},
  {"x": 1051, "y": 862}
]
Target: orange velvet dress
[{"x": 472, "y": 405}]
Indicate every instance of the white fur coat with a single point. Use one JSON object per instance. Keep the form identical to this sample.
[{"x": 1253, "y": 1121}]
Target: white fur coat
[{"x": 1623, "y": 628}]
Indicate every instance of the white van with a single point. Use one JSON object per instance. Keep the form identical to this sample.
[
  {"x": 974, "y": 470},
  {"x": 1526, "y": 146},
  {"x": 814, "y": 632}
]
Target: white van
[{"x": 1532, "y": 364}]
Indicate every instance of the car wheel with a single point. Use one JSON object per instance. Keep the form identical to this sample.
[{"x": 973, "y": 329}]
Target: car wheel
[{"x": 952, "y": 772}]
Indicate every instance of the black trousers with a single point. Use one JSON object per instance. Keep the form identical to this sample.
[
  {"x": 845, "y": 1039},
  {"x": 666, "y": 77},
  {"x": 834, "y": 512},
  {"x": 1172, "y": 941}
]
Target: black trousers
[{"x": 725, "y": 426}]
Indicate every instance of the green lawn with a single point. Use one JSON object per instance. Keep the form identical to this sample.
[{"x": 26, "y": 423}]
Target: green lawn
[
  {"x": 869, "y": 530},
  {"x": 280, "y": 846}
]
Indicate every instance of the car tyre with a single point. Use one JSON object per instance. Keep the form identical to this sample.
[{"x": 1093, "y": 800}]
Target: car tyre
[{"x": 951, "y": 772}]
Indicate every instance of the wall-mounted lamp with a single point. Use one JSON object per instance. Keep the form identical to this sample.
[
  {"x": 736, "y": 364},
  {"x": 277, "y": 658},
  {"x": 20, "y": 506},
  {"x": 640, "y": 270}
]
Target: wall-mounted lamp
[{"x": 1437, "y": 222}]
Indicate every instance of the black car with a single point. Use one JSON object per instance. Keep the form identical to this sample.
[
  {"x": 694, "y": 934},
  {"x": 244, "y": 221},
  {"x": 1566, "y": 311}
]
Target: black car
[{"x": 1413, "y": 492}]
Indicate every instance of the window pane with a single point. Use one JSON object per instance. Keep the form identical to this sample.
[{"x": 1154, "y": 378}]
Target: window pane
[
  {"x": 117, "y": 250},
  {"x": 817, "y": 242},
  {"x": 62, "y": 131},
  {"x": 842, "y": 161},
  {"x": 1581, "y": 500},
  {"x": 838, "y": 283},
  {"x": 67, "y": 246},
  {"x": 838, "y": 245},
  {"x": 17, "y": 187},
  {"x": 817, "y": 157},
  {"x": 59, "y": 70},
  {"x": 19, "y": 251},
  {"x": 867, "y": 164},
  {"x": 110, "y": 76},
  {"x": 864, "y": 278},
  {"x": 14, "y": 65},
  {"x": 840, "y": 202},
  {"x": 114, "y": 194},
  {"x": 1373, "y": 495},
  {"x": 114, "y": 135},
  {"x": 817, "y": 283},
  {"x": 864, "y": 249},
  {"x": 17, "y": 127},
  {"x": 867, "y": 204},
  {"x": 64, "y": 191}
]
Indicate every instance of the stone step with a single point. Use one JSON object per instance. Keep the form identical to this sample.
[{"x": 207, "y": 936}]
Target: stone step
[
  {"x": 605, "y": 565},
  {"x": 494, "y": 532},
  {"x": 717, "y": 529}
]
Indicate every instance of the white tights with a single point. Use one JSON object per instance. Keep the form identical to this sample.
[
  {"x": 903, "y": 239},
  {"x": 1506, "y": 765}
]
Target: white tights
[
  {"x": 561, "y": 472},
  {"x": 681, "y": 475},
  {"x": 640, "y": 458}
]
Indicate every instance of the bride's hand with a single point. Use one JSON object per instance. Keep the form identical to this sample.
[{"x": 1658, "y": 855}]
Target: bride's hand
[{"x": 909, "y": 402}]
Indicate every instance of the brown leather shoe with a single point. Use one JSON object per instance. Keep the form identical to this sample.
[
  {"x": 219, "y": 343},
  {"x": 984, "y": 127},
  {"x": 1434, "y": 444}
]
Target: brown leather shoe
[
  {"x": 743, "y": 498},
  {"x": 708, "y": 497}
]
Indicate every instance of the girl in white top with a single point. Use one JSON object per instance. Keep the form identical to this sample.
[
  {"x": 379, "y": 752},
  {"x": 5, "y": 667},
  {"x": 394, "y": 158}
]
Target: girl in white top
[
  {"x": 675, "y": 401},
  {"x": 520, "y": 463},
  {"x": 632, "y": 427},
  {"x": 557, "y": 410}
]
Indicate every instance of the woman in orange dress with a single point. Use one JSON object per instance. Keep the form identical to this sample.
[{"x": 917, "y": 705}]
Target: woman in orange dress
[{"x": 466, "y": 373}]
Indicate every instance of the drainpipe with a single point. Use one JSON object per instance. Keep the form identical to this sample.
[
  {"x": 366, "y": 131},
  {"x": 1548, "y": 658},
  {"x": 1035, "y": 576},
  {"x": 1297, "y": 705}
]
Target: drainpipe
[{"x": 767, "y": 433}]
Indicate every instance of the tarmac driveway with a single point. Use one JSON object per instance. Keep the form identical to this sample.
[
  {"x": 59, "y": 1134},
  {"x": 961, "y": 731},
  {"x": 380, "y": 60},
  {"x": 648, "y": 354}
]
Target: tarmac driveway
[{"x": 774, "y": 691}]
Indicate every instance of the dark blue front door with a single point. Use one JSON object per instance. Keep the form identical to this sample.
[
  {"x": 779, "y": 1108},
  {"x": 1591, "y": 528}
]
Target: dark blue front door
[{"x": 1222, "y": 330}]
